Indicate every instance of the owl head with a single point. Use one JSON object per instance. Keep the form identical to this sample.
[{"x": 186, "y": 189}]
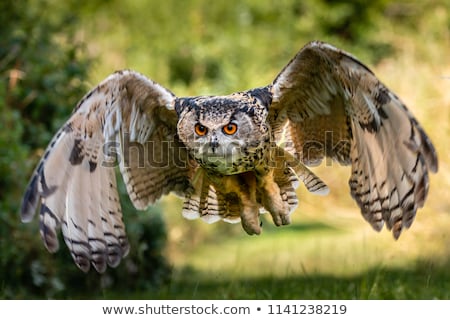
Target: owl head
[{"x": 226, "y": 134}]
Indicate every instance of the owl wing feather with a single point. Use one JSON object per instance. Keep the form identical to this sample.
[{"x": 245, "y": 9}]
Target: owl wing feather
[
  {"x": 328, "y": 104},
  {"x": 127, "y": 119}
]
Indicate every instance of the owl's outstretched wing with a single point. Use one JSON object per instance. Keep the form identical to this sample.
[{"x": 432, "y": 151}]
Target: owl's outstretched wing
[
  {"x": 328, "y": 104},
  {"x": 128, "y": 119}
]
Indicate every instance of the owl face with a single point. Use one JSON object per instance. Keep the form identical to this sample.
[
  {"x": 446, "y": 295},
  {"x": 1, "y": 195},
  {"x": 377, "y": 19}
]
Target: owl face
[{"x": 224, "y": 134}]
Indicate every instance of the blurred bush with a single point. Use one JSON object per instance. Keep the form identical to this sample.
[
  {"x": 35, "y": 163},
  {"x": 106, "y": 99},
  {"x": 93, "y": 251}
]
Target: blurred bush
[{"x": 42, "y": 68}]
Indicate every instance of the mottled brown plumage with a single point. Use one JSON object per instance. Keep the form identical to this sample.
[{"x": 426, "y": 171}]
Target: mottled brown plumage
[{"x": 230, "y": 157}]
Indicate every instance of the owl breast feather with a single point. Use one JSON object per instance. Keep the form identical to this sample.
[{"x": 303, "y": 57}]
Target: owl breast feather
[{"x": 231, "y": 160}]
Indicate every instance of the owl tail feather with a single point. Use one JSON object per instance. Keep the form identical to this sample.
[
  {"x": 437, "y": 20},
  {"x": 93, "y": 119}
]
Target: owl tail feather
[{"x": 208, "y": 203}]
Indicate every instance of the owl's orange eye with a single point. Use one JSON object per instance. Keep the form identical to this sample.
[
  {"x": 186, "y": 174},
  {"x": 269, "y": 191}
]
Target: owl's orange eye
[
  {"x": 200, "y": 129},
  {"x": 230, "y": 128}
]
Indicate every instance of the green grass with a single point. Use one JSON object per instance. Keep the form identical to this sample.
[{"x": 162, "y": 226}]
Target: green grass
[
  {"x": 422, "y": 281},
  {"x": 309, "y": 260}
]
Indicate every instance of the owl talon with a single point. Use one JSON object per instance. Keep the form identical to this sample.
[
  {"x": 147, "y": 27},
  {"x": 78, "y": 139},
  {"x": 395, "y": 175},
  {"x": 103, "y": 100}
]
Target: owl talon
[
  {"x": 280, "y": 219},
  {"x": 251, "y": 227},
  {"x": 286, "y": 219},
  {"x": 277, "y": 220}
]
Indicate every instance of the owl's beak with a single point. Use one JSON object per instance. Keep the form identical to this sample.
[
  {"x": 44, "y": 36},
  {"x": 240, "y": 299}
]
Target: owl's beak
[{"x": 214, "y": 143}]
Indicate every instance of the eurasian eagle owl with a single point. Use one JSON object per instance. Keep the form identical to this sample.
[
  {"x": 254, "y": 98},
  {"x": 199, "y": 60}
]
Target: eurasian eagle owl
[{"x": 230, "y": 157}]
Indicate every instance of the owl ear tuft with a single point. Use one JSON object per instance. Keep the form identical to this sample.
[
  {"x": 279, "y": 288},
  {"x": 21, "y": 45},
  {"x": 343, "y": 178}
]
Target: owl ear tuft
[
  {"x": 183, "y": 104},
  {"x": 264, "y": 95},
  {"x": 179, "y": 106}
]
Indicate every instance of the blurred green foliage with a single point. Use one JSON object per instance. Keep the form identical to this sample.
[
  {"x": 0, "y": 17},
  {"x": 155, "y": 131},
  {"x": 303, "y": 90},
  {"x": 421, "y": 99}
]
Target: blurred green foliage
[
  {"x": 210, "y": 47},
  {"x": 42, "y": 73},
  {"x": 50, "y": 50}
]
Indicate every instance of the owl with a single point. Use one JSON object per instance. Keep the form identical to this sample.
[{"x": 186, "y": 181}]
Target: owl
[{"x": 231, "y": 157}]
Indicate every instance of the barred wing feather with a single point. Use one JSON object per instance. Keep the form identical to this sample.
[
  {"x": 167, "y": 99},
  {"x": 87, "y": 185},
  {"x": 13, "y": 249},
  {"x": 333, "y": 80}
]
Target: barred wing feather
[
  {"x": 75, "y": 183},
  {"x": 331, "y": 105}
]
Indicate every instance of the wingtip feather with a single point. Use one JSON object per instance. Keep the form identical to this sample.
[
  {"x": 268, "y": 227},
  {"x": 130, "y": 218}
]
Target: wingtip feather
[{"x": 30, "y": 201}]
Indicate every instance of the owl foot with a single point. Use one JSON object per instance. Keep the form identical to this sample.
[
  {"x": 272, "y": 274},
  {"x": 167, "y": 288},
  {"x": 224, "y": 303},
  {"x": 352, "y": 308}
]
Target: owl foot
[
  {"x": 273, "y": 202},
  {"x": 250, "y": 220},
  {"x": 278, "y": 210},
  {"x": 280, "y": 218}
]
